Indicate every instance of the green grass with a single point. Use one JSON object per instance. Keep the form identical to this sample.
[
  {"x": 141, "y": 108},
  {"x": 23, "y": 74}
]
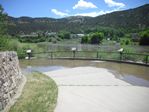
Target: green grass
[{"x": 39, "y": 95}]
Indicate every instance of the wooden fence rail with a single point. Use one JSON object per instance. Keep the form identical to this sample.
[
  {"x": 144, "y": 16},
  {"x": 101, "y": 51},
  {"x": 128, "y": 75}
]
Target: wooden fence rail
[{"x": 115, "y": 56}]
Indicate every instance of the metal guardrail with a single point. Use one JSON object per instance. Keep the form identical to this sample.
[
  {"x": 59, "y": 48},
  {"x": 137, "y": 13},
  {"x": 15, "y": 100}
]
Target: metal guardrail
[{"x": 99, "y": 55}]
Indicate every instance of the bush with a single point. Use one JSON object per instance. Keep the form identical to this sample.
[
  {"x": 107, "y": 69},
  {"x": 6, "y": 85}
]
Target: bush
[
  {"x": 96, "y": 38},
  {"x": 129, "y": 49},
  {"x": 3, "y": 21},
  {"x": 144, "y": 40},
  {"x": 64, "y": 35},
  {"x": 21, "y": 53},
  {"x": 4, "y": 41},
  {"x": 32, "y": 39},
  {"x": 85, "y": 39},
  {"x": 13, "y": 44},
  {"x": 125, "y": 41}
]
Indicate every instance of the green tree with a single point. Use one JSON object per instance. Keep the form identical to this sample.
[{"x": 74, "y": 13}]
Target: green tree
[
  {"x": 144, "y": 40},
  {"x": 84, "y": 40},
  {"x": 125, "y": 41},
  {"x": 4, "y": 41},
  {"x": 64, "y": 35},
  {"x": 96, "y": 38},
  {"x": 3, "y": 21},
  {"x": 3, "y": 38}
]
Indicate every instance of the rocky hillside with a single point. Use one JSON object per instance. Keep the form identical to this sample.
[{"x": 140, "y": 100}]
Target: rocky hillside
[{"x": 136, "y": 18}]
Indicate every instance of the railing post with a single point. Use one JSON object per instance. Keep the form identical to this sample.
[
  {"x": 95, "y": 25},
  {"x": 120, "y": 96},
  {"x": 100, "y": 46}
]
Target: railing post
[
  {"x": 74, "y": 54},
  {"x": 51, "y": 55},
  {"x": 97, "y": 54},
  {"x": 74, "y": 51},
  {"x": 121, "y": 56},
  {"x": 146, "y": 59},
  {"x": 121, "y": 53}
]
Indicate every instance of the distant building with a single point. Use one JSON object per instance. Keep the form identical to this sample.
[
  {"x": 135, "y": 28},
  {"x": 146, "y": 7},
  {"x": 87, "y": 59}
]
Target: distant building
[
  {"x": 76, "y": 35},
  {"x": 51, "y": 33},
  {"x": 80, "y": 35},
  {"x": 108, "y": 39},
  {"x": 73, "y": 36}
]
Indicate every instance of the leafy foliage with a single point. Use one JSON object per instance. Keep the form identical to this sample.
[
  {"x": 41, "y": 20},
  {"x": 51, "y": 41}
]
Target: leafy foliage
[
  {"x": 144, "y": 40},
  {"x": 125, "y": 41},
  {"x": 64, "y": 35},
  {"x": 85, "y": 40},
  {"x": 3, "y": 21},
  {"x": 39, "y": 38},
  {"x": 4, "y": 41},
  {"x": 94, "y": 38}
]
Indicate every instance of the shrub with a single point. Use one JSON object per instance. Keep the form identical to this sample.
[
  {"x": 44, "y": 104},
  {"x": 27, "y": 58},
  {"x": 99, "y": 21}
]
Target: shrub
[
  {"x": 64, "y": 35},
  {"x": 21, "y": 53},
  {"x": 144, "y": 40},
  {"x": 13, "y": 44},
  {"x": 125, "y": 41},
  {"x": 96, "y": 38},
  {"x": 4, "y": 42},
  {"x": 85, "y": 39}
]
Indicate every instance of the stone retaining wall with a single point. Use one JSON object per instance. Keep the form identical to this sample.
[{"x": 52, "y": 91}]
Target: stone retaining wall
[{"x": 10, "y": 77}]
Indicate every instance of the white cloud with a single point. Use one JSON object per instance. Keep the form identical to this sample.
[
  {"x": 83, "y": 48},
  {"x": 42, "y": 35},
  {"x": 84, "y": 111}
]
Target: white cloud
[
  {"x": 67, "y": 10},
  {"x": 59, "y": 13},
  {"x": 112, "y": 3},
  {"x": 84, "y": 5}
]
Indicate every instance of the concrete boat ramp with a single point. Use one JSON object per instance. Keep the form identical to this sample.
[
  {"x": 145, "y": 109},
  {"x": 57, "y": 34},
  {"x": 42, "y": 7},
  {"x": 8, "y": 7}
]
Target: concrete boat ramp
[{"x": 90, "y": 89}]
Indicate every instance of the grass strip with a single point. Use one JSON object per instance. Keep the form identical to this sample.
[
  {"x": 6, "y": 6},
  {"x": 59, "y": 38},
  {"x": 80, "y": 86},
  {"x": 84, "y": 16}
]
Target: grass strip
[{"x": 39, "y": 95}]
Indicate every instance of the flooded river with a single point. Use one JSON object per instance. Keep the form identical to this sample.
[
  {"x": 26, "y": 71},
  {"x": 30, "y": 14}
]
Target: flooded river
[{"x": 133, "y": 74}]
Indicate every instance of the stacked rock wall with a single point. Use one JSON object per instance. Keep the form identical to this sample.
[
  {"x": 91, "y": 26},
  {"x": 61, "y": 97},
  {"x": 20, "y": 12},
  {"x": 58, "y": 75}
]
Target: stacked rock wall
[{"x": 10, "y": 77}]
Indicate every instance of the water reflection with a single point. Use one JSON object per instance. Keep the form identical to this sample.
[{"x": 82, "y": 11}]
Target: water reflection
[{"x": 134, "y": 74}]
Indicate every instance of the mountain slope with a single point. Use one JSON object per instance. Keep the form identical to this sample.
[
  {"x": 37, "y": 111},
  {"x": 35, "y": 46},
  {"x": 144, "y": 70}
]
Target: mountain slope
[{"x": 133, "y": 19}]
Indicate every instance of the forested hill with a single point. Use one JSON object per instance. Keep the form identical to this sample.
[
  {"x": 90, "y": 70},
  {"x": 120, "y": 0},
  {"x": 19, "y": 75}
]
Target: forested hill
[{"x": 136, "y": 18}]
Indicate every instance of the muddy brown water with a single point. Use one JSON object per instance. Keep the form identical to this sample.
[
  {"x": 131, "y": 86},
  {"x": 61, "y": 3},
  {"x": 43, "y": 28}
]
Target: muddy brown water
[{"x": 134, "y": 74}]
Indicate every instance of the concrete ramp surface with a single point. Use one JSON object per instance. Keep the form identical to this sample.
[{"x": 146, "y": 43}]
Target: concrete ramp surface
[{"x": 89, "y": 89}]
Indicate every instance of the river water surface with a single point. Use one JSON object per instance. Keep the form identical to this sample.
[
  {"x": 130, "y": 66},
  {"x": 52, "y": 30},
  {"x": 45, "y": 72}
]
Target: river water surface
[{"x": 133, "y": 74}]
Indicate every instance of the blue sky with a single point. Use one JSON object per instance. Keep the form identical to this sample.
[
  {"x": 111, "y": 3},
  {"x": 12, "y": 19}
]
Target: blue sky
[{"x": 64, "y": 8}]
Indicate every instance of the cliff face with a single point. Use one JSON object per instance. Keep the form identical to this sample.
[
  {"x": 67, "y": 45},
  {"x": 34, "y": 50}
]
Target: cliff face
[{"x": 10, "y": 77}]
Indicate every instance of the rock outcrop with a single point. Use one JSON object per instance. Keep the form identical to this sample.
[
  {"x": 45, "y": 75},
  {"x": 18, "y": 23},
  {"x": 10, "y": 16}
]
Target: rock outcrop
[{"x": 10, "y": 77}]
